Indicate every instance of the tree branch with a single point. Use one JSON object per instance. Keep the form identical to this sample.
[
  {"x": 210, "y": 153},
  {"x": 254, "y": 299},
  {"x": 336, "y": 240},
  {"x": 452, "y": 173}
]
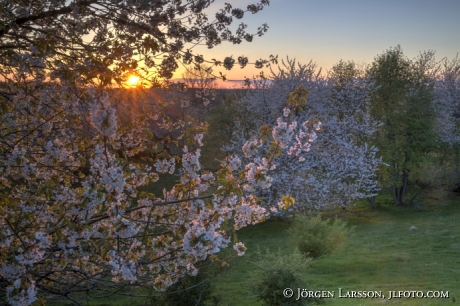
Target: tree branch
[{"x": 47, "y": 14}]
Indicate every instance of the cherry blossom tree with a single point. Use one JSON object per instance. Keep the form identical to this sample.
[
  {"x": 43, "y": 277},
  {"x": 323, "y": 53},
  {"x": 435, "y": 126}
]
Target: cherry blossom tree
[
  {"x": 447, "y": 100},
  {"x": 447, "y": 103},
  {"x": 340, "y": 166},
  {"x": 75, "y": 151}
]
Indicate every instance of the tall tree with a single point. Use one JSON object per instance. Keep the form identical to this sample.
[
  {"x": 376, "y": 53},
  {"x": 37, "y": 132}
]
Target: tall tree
[
  {"x": 447, "y": 101},
  {"x": 351, "y": 92},
  {"x": 447, "y": 93},
  {"x": 403, "y": 102},
  {"x": 74, "y": 153}
]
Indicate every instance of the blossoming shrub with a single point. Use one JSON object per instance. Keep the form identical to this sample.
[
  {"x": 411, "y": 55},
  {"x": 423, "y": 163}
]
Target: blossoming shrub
[{"x": 315, "y": 237}]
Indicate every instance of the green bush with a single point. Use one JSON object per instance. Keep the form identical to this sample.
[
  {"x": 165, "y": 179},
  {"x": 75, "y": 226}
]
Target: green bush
[
  {"x": 276, "y": 272},
  {"x": 315, "y": 237}
]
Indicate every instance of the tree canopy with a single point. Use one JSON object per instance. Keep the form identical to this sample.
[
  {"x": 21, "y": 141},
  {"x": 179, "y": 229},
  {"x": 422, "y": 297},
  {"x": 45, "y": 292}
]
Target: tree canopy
[
  {"x": 84, "y": 208},
  {"x": 403, "y": 101},
  {"x": 104, "y": 40}
]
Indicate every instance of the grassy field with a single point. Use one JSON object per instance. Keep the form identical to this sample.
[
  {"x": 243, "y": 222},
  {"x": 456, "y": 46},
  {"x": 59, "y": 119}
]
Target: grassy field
[{"x": 382, "y": 255}]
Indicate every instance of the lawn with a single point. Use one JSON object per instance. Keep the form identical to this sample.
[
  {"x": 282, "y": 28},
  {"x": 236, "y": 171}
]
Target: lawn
[{"x": 382, "y": 255}]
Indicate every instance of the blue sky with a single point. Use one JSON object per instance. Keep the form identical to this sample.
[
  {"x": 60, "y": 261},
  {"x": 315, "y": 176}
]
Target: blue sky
[{"x": 326, "y": 31}]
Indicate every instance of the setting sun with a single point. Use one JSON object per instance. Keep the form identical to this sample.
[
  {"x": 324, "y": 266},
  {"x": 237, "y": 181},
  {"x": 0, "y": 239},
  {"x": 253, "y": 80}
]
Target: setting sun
[{"x": 133, "y": 80}]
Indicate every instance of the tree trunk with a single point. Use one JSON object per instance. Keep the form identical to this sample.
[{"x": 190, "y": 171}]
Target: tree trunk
[
  {"x": 396, "y": 195},
  {"x": 343, "y": 203},
  {"x": 400, "y": 192},
  {"x": 372, "y": 201},
  {"x": 405, "y": 178}
]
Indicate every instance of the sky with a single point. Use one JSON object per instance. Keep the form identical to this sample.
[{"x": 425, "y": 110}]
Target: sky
[{"x": 327, "y": 31}]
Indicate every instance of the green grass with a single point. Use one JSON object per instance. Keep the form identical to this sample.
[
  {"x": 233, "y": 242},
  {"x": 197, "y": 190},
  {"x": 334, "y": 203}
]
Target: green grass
[{"x": 382, "y": 255}]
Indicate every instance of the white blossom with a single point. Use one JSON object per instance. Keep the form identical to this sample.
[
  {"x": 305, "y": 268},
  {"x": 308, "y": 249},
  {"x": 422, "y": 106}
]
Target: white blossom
[{"x": 240, "y": 248}]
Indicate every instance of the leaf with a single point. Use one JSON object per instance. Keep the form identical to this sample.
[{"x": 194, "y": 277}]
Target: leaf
[
  {"x": 287, "y": 201},
  {"x": 264, "y": 132}
]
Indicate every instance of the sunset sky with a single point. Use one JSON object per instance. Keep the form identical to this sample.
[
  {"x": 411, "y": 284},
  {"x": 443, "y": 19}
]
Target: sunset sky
[{"x": 326, "y": 31}]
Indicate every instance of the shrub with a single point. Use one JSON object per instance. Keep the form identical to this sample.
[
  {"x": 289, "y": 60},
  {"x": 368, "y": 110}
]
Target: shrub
[
  {"x": 315, "y": 237},
  {"x": 276, "y": 272}
]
